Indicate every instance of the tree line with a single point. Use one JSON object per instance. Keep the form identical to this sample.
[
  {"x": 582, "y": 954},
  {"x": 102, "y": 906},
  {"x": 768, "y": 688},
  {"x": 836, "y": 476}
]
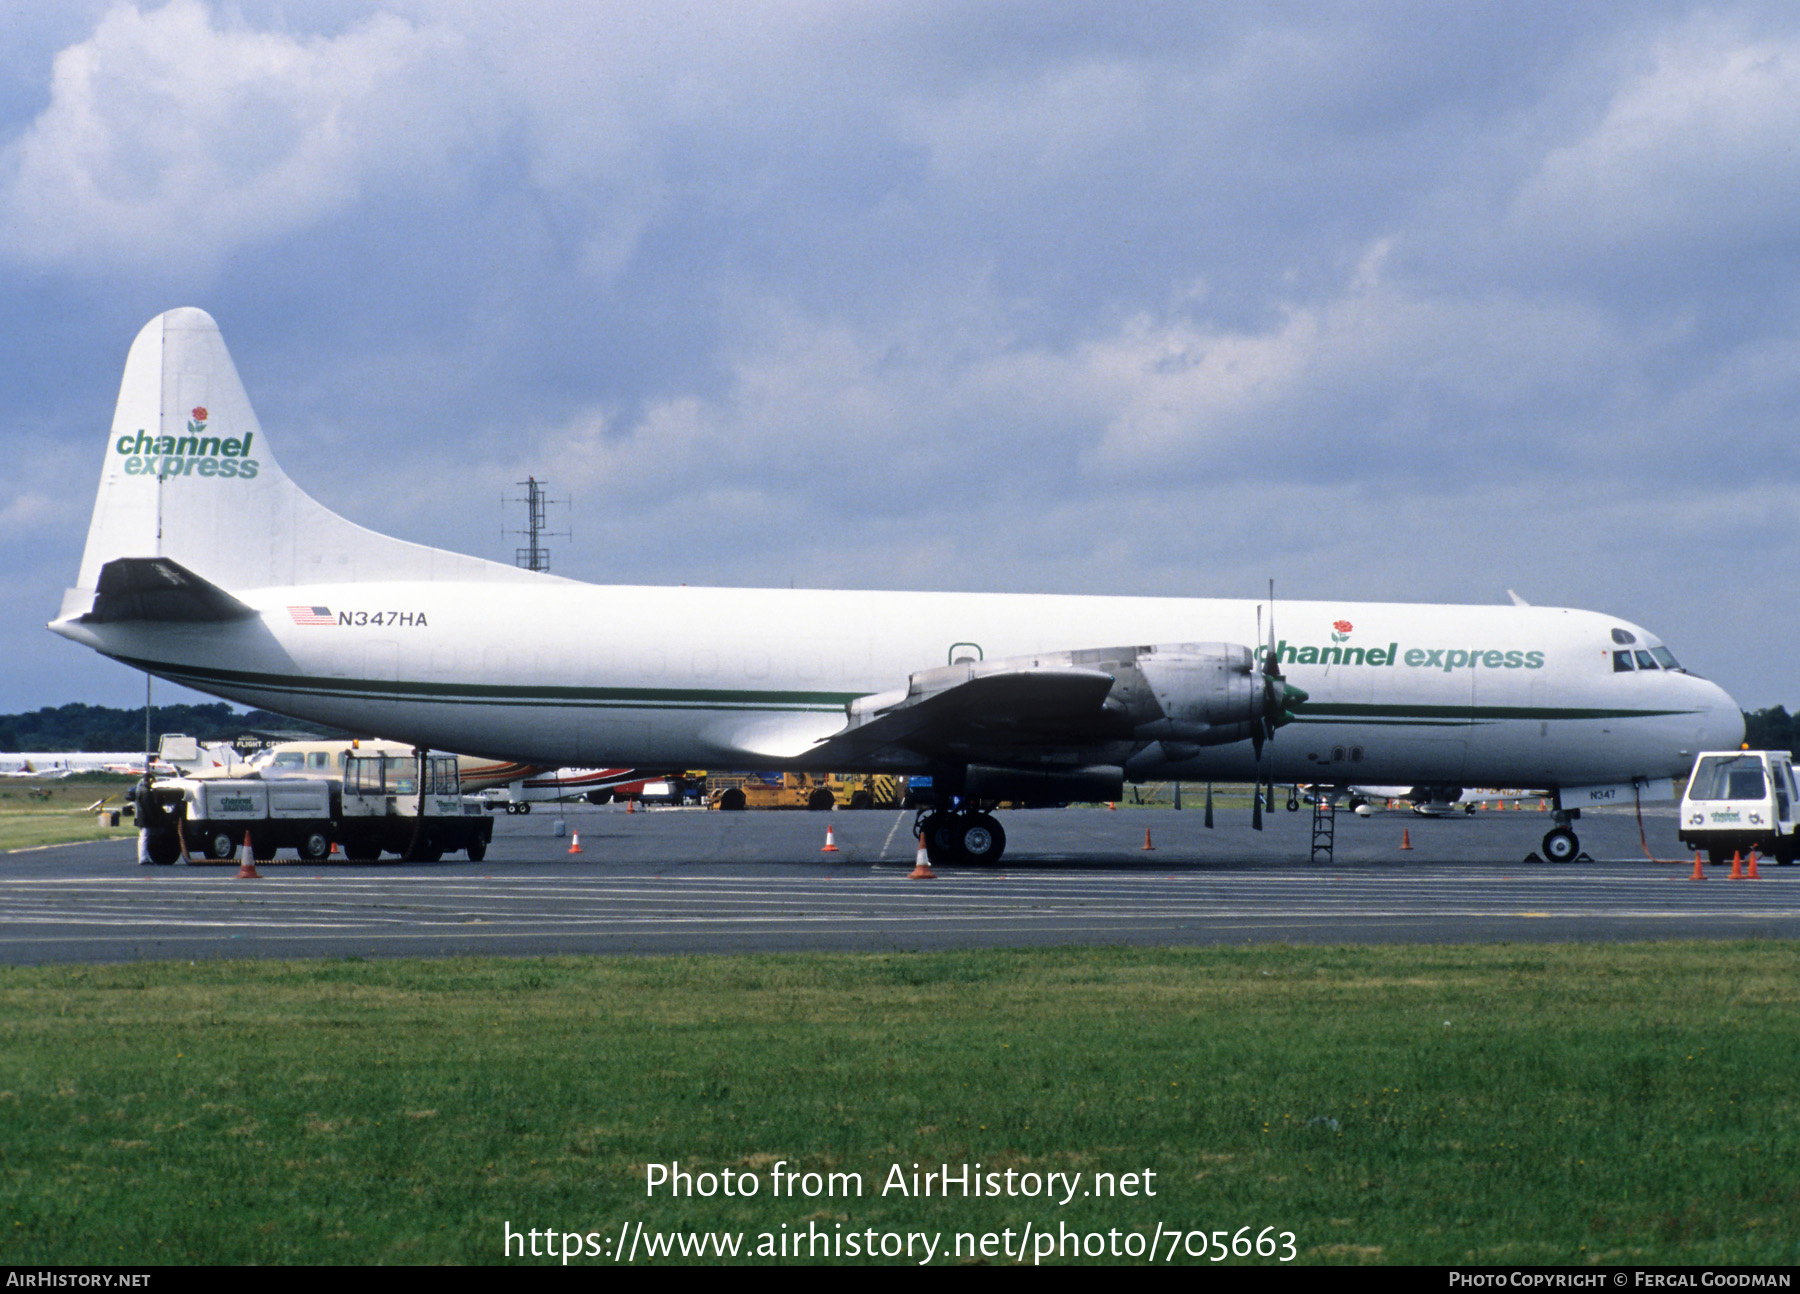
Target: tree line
[{"x": 77, "y": 727}]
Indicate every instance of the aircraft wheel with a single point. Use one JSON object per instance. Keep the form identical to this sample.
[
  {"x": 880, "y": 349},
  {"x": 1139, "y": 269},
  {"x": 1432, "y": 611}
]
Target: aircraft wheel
[
  {"x": 220, "y": 846},
  {"x": 943, "y": 838},
  {"x": 1561, "y": 845},
  {"x": 982, "y": 840},
  {"x": 315, "y": 847},
  {"x": 164, "y": 846},
  {"x": 1293, "y": 803}
]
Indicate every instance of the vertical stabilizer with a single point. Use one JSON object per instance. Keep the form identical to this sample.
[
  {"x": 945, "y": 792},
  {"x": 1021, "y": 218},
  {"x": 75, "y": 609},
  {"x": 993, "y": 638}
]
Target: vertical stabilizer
[{"x": 189, "y": 475}]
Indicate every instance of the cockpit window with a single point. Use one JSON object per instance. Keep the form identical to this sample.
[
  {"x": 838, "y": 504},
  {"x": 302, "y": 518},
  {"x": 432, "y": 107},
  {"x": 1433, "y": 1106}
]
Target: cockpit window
[
  {"x": 1664, "y": 657},
  {"x": 1621, "y": 661},
  {"x": 1645, "y": 660},
  {"x": 1624, "y": 636}
]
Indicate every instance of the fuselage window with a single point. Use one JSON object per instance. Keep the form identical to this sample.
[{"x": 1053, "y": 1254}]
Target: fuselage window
[
  {"x": 1623, "y": 636},
  {"x": 1621, "y": 661},
  {"x": 1645, "y": 660}
]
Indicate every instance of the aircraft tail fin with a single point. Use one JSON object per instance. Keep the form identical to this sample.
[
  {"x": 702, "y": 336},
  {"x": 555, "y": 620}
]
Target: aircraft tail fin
[{"x": 189, "y": 476}]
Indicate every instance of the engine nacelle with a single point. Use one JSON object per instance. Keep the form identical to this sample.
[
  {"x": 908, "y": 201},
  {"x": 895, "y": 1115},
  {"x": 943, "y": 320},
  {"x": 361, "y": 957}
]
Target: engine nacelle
[{"x": 1199, "y": 694}]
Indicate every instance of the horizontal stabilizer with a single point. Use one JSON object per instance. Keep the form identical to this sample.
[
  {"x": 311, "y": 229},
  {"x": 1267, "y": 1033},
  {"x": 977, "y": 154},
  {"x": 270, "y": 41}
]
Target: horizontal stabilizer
[{"x": 156, "y": 588}]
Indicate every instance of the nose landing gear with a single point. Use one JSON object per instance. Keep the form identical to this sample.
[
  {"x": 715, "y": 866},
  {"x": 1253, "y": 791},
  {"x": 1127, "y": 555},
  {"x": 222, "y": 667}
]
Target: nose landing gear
[{"x": 1561, "y": 844}]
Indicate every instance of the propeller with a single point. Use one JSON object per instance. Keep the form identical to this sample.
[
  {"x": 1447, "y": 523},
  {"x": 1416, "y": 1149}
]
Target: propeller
[{"x": 1279, "y": 697}]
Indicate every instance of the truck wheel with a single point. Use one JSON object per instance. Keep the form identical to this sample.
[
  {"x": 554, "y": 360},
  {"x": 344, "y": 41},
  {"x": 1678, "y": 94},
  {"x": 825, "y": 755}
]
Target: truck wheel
[
  {"x": 477, "y": 850},
  {"x": 733, "y": 800},
  {"x": 861, "y": 800},
  {"x": 820, "y": 800},
  {"x": 360, "y": 849},
  {"x": 219, "y": 845},
  {"x": 315, "y": 846},
  {"x": 1719, "y": 857},
  {"x": 1561, "y": 845},
  {"x": 164, "y": 846}
]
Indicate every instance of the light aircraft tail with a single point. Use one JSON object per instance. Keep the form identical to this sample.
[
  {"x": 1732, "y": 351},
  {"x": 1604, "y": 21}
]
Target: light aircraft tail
[{"x": 189, "y": 482}]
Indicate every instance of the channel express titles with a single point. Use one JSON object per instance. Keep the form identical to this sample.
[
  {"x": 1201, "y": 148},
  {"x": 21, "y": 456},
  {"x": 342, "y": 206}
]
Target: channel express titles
[{"x": 1447, "y": 659}]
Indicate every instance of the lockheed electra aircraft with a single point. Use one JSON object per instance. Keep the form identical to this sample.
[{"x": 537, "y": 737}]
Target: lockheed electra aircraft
[{"x": 206, "y": 565}]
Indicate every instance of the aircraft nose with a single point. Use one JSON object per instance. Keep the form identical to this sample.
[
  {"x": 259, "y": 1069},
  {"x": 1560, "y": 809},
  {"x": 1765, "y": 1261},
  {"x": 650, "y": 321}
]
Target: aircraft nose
[{"x": 1721, "y": 721}]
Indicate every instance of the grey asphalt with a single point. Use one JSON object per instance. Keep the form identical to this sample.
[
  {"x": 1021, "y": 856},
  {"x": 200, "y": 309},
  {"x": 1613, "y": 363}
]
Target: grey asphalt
[{"x": 693, "y": 882}]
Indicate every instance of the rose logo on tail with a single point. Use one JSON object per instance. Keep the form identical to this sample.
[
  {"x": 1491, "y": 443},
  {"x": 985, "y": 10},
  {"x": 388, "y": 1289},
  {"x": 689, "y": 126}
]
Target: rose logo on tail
[{"x": 198, "y": 424}]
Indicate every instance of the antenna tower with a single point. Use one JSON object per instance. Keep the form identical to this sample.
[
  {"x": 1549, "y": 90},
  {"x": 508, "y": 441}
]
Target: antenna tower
[{"x": 535, "y": 557}]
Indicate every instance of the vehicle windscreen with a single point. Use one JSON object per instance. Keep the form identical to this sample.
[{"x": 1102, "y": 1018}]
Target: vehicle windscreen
[{"x": 1728, "y": 777}]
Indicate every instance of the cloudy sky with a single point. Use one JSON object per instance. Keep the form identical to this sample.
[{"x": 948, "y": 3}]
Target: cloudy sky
[{"x": 1386, "y": 301}]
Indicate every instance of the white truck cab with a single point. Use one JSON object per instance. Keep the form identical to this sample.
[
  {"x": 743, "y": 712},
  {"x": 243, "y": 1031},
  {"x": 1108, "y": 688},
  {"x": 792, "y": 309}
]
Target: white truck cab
[{"x": 1739, "y": 800}]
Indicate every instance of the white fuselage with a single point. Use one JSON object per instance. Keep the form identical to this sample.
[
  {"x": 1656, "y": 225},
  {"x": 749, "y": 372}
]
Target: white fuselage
[{"x": 557, "y": 672}]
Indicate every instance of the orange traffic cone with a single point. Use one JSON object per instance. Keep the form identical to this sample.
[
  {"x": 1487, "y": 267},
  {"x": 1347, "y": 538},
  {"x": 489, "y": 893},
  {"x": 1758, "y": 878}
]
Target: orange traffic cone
[
  {"x": 1737, "y": 865},
  {"x": 631, "y": 805},
  {"x": 1750, "y": 871},
  {"x": 1699, "y": 868},
  {"x": 575, "y": 842},
  {"x": 922, "y": 865},
  {"x": 1147, "y": 844},
  {"x": 830, "y": 845},
  {"x": 1405, "y": 838},
  {"x": 247, "y": 862}
]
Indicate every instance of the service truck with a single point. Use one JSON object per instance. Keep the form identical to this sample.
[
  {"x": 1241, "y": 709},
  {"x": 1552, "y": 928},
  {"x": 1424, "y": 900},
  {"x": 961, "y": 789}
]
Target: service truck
[
  {"x": 1739, "y": 800},
  {"x": 406, "y": 804}
]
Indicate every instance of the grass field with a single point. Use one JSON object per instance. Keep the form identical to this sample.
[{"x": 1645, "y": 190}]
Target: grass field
[
  {"x": 56, "y": 812},
  {"x": 1510, "y": 1104}
]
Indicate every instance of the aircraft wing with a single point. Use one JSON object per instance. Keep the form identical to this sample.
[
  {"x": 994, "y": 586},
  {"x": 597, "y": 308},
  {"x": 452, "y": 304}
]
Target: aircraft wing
[{"x": 1007, "y": 709}]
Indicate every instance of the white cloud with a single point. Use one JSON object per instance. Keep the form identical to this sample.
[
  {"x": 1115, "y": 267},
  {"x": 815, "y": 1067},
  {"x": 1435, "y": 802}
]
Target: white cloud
[
  {"x": 1698, "y": 149},
  {"x": 172, "y": 140}
]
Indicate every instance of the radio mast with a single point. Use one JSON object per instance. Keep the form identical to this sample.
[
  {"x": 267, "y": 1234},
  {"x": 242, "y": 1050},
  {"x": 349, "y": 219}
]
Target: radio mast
[{"x": 536, "y": 557}]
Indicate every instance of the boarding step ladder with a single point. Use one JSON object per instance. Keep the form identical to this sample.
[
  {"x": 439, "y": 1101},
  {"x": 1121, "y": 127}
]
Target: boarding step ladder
[{"x": 1324, "y": 826}]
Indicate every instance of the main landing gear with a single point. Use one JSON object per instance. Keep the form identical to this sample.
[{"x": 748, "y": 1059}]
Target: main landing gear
[{"x": 961, "y": 836}]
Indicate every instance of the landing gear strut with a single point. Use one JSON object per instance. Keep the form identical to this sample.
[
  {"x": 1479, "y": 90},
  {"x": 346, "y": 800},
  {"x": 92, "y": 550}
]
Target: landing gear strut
[{"x": 961, "y": 836}]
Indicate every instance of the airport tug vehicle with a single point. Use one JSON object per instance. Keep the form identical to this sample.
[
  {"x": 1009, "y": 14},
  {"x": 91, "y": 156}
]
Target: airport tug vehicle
[
  {"x": 410, "y": 805},
  {"x": 1739, "y": 800}
]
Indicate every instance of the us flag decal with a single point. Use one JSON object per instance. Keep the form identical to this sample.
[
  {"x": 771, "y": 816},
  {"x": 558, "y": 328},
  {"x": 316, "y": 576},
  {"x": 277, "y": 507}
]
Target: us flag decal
[{"x": 312, "y": 615}]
